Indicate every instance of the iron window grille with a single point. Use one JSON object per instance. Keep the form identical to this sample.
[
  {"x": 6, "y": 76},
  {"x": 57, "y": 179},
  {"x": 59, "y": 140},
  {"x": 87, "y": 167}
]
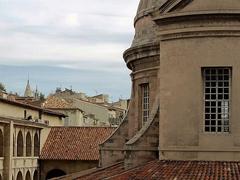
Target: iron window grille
[
  {"x": 145, "y": 102},
  {"x": 217, "y": 85}
]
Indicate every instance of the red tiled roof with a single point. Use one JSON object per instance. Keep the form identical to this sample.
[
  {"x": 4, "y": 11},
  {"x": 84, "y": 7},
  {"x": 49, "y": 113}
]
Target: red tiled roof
[
  {"x": 74, "y": 143},
  {"x": 170, "y": 170},
  {"x": 56, "y": 102}
]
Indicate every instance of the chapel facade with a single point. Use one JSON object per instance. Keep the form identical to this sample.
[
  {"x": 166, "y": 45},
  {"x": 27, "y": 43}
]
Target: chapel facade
[{"x": 185, "y": 84}]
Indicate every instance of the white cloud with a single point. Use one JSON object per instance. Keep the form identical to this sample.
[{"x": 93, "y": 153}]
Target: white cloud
[
  {"x": 75, "y": 30},
  {"x": 72, "y": 20},
  {"x": 65, "y": 41}
]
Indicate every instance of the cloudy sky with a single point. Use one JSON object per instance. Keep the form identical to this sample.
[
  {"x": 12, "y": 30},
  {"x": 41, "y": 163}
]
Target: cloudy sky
[{"x": 66, "y": 43}]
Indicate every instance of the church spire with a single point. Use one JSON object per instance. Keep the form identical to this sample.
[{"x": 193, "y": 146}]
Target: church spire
[{"x": 28, "y": 91}]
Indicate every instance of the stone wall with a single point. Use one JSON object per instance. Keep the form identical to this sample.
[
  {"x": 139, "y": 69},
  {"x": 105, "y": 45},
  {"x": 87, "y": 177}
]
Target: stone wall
[{"x": 68, "y": 167}]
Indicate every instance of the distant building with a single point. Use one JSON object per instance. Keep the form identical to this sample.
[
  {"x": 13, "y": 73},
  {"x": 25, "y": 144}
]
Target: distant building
[
  {"x": 75, "y": 116},
  {"x": 3, "y": 94},
  {"x": 87, "y": 111},
  {"x": 28, "y": 91}
]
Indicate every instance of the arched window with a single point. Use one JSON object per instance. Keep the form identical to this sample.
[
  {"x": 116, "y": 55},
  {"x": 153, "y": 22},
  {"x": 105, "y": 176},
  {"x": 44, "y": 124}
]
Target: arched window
[
  {"x": 14, "y": 145},
  {"x": 35, "y": 175},
  {"x": 28, "y": 145},
  {"x": 28, "y": 176},
  {"x": 20, "y": 144},
  {"x": 1, "y": 144},
  {"x": 36, "y": 145},
  {"x": 19, "y": 176},
  {"x": 55, "y": 173}
]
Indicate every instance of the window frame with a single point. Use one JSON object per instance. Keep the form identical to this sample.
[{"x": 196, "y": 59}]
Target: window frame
[
  {"x": 145, "y": 102},
  {"x": 230, "y": 72}
]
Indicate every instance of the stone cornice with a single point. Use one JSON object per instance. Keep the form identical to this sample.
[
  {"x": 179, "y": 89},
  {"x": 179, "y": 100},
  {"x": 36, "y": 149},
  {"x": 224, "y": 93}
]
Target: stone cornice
[
  {"x": 173, "y": 16},
  {"x": 139, "y": 52},
  {"x": 21, "y": 122},
  {"x": 198, "y": 149},
  {"x": 198, "y": 24}
]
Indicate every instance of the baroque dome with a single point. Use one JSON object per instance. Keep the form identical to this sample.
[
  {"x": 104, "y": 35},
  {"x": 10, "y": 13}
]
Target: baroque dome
[{"x": 144, "y": 25}]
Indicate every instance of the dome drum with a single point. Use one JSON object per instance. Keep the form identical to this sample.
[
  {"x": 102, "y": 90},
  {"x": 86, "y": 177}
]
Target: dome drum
[{"x": 198, "y": 24}]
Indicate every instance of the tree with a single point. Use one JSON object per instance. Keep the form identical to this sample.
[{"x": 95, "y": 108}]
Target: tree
[
  {"x": 2, "y": 87},
  {"x": 42, "y": 96},
  {"x": 58, "y": 90}
]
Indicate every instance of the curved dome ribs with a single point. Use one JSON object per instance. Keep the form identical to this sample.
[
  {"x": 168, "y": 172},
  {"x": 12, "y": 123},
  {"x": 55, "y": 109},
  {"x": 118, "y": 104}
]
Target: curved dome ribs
[{"x": 173, "y": 5}]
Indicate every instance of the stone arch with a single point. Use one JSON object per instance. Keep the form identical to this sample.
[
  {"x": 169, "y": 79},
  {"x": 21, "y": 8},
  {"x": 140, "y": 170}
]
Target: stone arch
[
  {"x": 20, "y": 144},
  {"x": 28, "y": 145},
  {"x": 28, "y": 176},
  {"x": 55, "y": 173},
  {"x": 35, "y": 175},
  {"x": 19, "y": 176},
  {"x": 1, "y": 144},
  {"x": 36, "y": 145}
]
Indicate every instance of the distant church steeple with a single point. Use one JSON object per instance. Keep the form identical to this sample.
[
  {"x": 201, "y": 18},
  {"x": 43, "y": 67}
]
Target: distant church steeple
[{"x": 28, "y": 92}]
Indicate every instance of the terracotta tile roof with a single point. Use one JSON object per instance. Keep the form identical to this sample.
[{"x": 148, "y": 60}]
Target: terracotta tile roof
[
  {"x": 74, "y": 143},
  {"x": 170, "y": 170},
  {"x": 56, "y": 102}
]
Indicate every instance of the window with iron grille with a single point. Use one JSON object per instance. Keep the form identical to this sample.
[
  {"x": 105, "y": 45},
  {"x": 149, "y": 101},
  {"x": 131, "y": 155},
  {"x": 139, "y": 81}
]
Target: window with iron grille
[
  {"x": 217, "y": 84},
  {"x": 145, "y": 102}
]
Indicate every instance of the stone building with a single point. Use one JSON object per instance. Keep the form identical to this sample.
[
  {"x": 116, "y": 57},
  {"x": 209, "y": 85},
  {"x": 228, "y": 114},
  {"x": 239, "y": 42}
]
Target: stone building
[
  {"x": 23, "y": 130},
  {"x": 185, "y": 84},
  {"x": 82, "y": 112},
  {"x": 71, "y": 149}
]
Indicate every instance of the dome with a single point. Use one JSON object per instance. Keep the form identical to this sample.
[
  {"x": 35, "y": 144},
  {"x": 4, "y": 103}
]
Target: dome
[
  {"x": 145, "y": 5},
  {"x": 144, "y": 25}
]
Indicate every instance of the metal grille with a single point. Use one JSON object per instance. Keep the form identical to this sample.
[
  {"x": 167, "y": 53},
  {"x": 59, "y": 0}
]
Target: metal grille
[
  {"x": 217, "y": 99},
  {"x": 145, "y": 102}
]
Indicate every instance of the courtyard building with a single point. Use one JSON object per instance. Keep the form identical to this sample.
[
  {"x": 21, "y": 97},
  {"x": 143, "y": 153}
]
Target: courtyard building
[{"x": 23, "y": 130}]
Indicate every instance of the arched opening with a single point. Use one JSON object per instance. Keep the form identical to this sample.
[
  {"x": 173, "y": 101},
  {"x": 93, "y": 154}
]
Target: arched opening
[
  {"x": 36, "y": 145},
  {"x": 1, "y": 143},
  {"x": 28, "y": 176},
  {"x": 55, "y": 173},
  {"x": 0, "y": 177},
  {"x": 14, "y": 145},
  {"x": 28, "y": 145},
  {"x": 35, "y": 175},
  {"x": 19, "y": 176},
  {"x": 20, "y": 144}
]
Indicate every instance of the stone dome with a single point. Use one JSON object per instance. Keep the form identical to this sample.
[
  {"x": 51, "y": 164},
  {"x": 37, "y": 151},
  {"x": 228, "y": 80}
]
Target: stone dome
[{"x": 144, "y": 25}]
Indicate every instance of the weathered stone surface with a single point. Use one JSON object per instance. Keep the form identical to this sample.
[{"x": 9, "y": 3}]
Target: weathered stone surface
[{"x": 174, "y": 41}]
